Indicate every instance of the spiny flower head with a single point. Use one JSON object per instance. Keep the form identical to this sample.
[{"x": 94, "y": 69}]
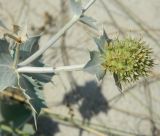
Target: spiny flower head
[{"x": 129, "y": 58}]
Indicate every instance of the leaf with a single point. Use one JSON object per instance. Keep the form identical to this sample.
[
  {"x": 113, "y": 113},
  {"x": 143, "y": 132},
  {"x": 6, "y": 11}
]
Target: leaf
[
  {"x": 102, "y": 41},
  {"x": 8, "y": 76},
  {"x": 89, "y": 21},
  {"x": 31, "y": 85},
  {"x": 94, "y": 65},
  {"x": 9, "y": 79},
  {"x": 44, "y": 78},
  {"x": 29, "y": 47},
  {"x": 76, "y": 7},
  {"x": 33, "y": 89},
  {"x": 26, "y": 50},
  {"x": 16, "y": 114},
  {"x": 4, "y": 46},
  {"x": 117, "y": 82}
]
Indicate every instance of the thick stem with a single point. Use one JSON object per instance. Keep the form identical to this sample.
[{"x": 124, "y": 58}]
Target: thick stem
[
  {"x": 56, "y": 37},
  {"x": 87, "y": 6},
  {"x": 50, "y": 69},
  {"x": 50, "y": 42}
]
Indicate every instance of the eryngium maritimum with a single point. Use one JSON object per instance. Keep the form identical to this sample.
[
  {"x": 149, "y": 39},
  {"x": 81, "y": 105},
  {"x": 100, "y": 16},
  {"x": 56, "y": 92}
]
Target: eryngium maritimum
[{"x": 129, "y": 58}]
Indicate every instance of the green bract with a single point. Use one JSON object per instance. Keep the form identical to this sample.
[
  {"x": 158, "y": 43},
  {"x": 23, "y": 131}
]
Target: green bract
[{"x": 127, "y": 59}]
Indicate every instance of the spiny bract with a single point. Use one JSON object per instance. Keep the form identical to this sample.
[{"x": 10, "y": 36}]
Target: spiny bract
[{"x": 129, "y": 58}]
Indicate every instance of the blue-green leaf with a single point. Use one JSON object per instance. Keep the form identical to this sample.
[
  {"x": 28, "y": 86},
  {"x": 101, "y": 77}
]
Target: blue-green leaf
[
  {"x": 14, "y": 113},
  {"x": 44, "y": 78},
  {"x": 8, "y": 76},
  {"x": 89, "y": 21},
  {"x": 30, "y": 85},
  {"x": 76, "y": 7},
  {"x": 102, "y": 41},
  {"x": 29, "y": 47},
  {"x": 94, "y": 65},
  {"x": 33, "y": 89},
  {"x": 4, "y": 46}
]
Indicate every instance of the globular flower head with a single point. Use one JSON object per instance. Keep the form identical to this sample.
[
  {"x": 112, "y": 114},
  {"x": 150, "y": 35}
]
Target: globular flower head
[{"x": 129, "y": 58}]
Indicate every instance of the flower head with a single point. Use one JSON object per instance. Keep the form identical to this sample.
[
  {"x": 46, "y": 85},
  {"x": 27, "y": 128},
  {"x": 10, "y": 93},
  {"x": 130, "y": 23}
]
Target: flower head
[{"x": 127, "y": 59}]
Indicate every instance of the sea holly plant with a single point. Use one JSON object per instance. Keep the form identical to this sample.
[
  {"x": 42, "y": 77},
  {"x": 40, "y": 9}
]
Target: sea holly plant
[{"x": 23, "y": 73}]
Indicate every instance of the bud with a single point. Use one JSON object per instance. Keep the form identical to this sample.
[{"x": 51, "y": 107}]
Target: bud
[{"x": 129, "y": 59}]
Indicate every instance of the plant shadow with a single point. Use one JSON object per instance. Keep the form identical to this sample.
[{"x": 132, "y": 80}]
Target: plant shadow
[
  {"x": 46, "y": 126},
  {"x": 89, "y": 99}
]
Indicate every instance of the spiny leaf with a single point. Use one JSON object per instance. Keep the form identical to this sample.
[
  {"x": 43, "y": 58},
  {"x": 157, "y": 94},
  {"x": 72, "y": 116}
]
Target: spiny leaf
[
  {"x": 8, "y": 76},
  {"x": 14, "y": 113},
  {"x": 26, "y": 50},
  {"x": 94, "y": 65},
  {"x": 31, "y": 85},
  {"x": 102, "y": 41},
  {"x": 89, "y": 21},
  {"x": 9, "y": 79},
  {"x": 76, "y": 7},
  {"x": 29, "y": 47},
  {"x": 4, "y": 46},
  {"x": 44, "y": 78},
  {"x": 33, "y": 89}
]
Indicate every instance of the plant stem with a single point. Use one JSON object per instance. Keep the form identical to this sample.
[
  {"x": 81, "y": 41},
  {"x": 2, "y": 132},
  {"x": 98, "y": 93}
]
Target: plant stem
[
  {"x": 50, "y": 42},
  {"x": 96, "y": 129},
  {"x": 11, "y": 131},
  {"x": 74, "y": 19},
  {"x": 88, "y": 5},
  {"x": 50, "y": 69},
  {"x": 12, "y": 36},
  {"x": 66, "y": 120},
  {"x": 16, "y": 57}
]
